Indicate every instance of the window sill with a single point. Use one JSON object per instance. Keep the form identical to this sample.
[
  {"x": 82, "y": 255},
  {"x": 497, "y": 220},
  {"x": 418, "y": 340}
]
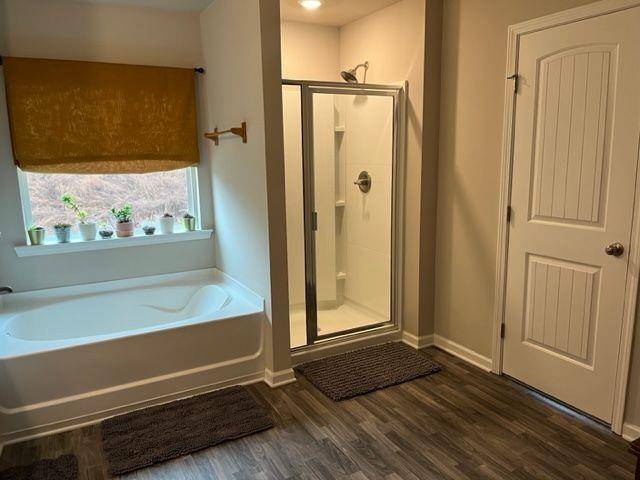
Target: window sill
[{"x": 109, "y": 243}]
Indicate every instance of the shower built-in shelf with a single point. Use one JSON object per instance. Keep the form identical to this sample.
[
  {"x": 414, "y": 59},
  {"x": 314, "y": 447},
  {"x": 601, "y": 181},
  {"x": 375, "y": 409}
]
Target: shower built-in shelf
[
  {"x": 339, "y": 128},
  {"x": 340, "y": 203}
]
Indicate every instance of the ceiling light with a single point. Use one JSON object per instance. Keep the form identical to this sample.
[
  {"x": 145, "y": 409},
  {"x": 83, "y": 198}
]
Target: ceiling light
[{"x": 310, "y": 4}]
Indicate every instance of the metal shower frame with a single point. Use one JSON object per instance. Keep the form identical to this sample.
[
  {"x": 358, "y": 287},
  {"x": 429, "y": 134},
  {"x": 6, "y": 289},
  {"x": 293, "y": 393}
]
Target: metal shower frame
[{"x": 307, "y": 90}]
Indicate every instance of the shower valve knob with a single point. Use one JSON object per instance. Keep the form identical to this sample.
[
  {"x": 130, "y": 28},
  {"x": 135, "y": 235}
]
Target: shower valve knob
[{"x": 363, "y": 182}]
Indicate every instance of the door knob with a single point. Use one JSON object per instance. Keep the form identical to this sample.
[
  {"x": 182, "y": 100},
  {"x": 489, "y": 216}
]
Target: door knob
[{"x": 616, "y": 249}]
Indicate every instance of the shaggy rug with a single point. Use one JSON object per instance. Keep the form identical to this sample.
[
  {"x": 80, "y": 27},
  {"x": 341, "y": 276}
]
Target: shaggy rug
[
  {"x": 354, "y": 373},
  {"x": 156, "y": 434}
]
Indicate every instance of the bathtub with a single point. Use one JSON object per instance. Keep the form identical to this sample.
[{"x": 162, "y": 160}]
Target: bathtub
[{"x": 72, "y": 355}]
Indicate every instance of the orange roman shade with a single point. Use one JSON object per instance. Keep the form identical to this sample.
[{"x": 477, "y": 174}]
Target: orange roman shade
[{"x": 87, "y": 117}]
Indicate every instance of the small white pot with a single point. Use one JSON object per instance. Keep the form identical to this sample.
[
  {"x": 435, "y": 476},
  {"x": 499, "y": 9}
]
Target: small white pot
[
  {"x": 166, "y": 224},
  {"x": 87, "y": 230}
]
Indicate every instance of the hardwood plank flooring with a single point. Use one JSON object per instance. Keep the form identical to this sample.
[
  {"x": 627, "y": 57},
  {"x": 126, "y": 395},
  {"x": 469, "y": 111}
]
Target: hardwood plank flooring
[{"x": 461, "y": 423}]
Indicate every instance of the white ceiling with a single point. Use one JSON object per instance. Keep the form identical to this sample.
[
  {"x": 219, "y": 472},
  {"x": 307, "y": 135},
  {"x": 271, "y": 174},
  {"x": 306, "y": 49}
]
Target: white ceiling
[
  {"x": 333, "y": 13},
  {"x": 189, "y": 5}
]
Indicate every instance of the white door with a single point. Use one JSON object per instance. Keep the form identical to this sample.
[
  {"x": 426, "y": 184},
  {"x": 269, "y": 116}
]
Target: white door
[{"x": 575, "y": 155}]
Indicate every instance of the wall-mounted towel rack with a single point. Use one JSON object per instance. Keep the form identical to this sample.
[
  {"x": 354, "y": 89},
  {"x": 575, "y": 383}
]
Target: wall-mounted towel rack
[{"x": 239, "y": 131}]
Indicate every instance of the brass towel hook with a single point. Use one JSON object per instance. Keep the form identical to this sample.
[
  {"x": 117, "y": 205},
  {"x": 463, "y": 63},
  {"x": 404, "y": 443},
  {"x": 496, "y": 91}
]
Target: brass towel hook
[{"x": 239, "y": 131}]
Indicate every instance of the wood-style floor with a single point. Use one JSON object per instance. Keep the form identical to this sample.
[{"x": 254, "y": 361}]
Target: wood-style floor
[{"x": 461, "y": 423}]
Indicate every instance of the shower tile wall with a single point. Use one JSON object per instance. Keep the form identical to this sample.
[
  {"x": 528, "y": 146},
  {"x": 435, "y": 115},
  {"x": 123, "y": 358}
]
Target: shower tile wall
[
  {"x": 368, "y": 146},
  {"x": 324, "y": 164}
]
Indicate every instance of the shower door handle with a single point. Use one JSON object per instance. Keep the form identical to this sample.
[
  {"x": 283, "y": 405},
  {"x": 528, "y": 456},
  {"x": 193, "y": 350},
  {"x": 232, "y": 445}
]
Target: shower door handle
[{"x": 314, "y": 221}]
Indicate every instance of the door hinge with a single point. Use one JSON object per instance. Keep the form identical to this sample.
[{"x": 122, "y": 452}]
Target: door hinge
[
  {"x": 508, "y": 213},
  {"x": 502, "y": 330},
  {"x": 516, "y": 78},
  {"x": 314, "y": 221}
]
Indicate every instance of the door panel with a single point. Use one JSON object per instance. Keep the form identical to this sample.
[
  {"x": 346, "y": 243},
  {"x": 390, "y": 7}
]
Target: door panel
[
  {"x": 561, "y": 301},
  {"x": 577, "y": 123},
  {"x": 572, "y": 122}
]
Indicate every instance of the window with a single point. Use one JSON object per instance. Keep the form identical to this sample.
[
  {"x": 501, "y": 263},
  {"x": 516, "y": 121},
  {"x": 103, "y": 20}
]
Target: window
[{"x": 149, "y": 194}]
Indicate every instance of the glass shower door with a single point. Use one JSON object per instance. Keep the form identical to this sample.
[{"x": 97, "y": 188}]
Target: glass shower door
[
  {"x": 294, "y": 181},
  {"x": 351, "y": 165}
]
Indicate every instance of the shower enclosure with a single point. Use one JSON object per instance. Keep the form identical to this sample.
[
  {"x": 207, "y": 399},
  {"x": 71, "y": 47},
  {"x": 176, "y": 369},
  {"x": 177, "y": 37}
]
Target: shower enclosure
[{"x": 342, "y": 144}]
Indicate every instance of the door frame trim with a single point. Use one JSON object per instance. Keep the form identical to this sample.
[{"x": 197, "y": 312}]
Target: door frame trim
[{"x": 515, "y": 32}]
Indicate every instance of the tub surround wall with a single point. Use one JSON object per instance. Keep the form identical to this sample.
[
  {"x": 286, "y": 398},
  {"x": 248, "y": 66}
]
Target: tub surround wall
[{"x": 66, "y": 29}]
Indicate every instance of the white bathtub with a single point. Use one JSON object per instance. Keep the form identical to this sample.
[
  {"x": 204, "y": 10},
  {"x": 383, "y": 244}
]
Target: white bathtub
[{"x": 70, "y": 355}]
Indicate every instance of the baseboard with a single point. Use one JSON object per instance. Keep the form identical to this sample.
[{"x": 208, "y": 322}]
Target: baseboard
[
  {"x": 630, "y": 432},
  {"x": 463, "y": 353},
  {"x": 279, "y": 378},
  {"x": 417, "y": 342}
]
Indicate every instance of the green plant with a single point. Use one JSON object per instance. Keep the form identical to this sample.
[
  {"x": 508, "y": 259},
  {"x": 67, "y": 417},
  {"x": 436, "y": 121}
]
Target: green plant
[
  {"x": 71, "y": 204},
  {"x": 62, "y": 226},
  {"x": 188, "y": 215},
  {"x": 122, "y": 215},
  {"x": 33, "y": 228},
  {"x": 167, "y": 215}
]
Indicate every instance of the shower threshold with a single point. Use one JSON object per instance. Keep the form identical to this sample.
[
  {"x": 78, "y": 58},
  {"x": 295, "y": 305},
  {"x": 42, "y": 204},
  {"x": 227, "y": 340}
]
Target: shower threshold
[{"x": 346, "y": 318}]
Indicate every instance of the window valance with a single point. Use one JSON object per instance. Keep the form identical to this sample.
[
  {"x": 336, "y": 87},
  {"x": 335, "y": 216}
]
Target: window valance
[{"x": 88, "y": 117}]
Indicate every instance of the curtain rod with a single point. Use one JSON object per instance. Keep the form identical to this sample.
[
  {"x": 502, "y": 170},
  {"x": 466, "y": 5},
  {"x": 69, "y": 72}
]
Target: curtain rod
[{"x": 195, "y": 69}]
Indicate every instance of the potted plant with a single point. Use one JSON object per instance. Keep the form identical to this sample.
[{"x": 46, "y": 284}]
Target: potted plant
[
  {"x": 36, "y": 235},
  {"x": 149, "y": 229},
  {"x": 166, "y": 223},
  {"x": 189, "y": 222},
  {"x": 105, "y": 231},
  {"x": 63, "y": 232},
  {"x": 87, "y": 228},
  {"x": 124, "y": 225}
]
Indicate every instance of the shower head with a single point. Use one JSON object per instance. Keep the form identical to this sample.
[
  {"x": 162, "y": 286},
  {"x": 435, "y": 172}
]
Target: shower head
[{"x": 349, "y": 76}]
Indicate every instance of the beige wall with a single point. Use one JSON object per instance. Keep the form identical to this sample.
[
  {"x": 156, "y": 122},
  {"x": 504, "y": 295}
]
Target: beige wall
[
  {"x": 236, "y": 88},
  {"x": 310, "y": 52},
  {"x": 277, "y": 347},
  {"x": 473, "y": 71},
  {"x": 392, "y": 40},
  {"x": 66, "y": 29},
  {"x": 430, "y": 154}
]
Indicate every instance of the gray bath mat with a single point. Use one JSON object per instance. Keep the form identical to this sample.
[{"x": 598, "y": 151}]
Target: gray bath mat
[
  {"x": 156, "y": 434},
  {"x": 361, "y": 371},
  {"x": 61, "y": 468}
]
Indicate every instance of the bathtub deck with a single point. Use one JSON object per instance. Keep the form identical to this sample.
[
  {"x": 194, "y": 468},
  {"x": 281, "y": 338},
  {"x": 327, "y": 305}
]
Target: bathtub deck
[{"x": 460, "y": 424}]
